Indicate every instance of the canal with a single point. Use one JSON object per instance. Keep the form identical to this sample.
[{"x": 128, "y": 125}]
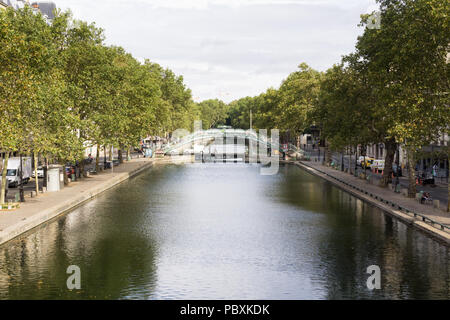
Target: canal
[{"x": 223, "y": 231}]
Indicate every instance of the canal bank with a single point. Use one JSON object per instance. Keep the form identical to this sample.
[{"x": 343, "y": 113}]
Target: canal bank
[
  {"x": 37, "y": 211},
  {"x": 432, "y": 221}
]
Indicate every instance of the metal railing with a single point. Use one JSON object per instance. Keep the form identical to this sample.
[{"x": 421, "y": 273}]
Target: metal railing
[{"x": 433, "y": 223}]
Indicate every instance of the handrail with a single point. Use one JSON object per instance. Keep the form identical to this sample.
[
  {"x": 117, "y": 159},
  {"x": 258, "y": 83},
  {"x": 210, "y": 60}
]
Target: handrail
[{"x": 207, "y": 134}]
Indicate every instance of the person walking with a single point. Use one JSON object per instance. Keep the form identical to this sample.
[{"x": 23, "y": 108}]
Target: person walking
[{"x": 435, "y": 170}]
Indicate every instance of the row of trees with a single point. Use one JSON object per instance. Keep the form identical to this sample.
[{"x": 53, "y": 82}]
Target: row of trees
[
  {"x": 393, "y": 89},
  {"x": 62, "y": 90}
]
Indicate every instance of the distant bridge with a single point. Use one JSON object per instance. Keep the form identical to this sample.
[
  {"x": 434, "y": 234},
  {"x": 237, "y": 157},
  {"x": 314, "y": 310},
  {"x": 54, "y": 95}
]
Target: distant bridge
[{"x": 225, "y": 136}]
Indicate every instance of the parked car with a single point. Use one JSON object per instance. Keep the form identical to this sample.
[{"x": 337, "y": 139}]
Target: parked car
[
  {"x": 69, "y": 171},
  {"x": 424, "y": 179},
  {"x": 40, "y": 172}
]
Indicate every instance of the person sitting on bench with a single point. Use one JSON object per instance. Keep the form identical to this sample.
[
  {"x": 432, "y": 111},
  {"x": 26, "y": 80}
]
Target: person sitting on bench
[{"x": 425, "y": 197}]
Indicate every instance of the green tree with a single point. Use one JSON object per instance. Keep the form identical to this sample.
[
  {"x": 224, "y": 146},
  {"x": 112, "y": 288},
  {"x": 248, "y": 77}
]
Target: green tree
[
  {"x": 213, "y": 113},
  {"x": 405, "y": 62}
]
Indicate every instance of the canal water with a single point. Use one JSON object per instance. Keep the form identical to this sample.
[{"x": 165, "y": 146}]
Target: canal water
[{"x": 223, "y": 231}]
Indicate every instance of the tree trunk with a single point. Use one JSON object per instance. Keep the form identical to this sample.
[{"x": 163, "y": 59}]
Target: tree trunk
[
  {"x": 110, "y": 153},
  {"x": 120, "y": 156},
  {"x": 128, "y": 154},
  {"x": 3, "y": 188},
  {"x": 105, "y": 156},
  {"x": 97, "y": 159},
  {"x": 448, "y": 196},
  {"x": 81, "y": 165},
  {"x": 66, "y": 178},
  {"x": 327, "y": 154},
  {"x": 411, "y": 173},
  {"x": 391, "y": 148},
  {"x": 36, "y": 178},
  {"x": 44, "y": 183},
  {"x": 448, "y": 182}
]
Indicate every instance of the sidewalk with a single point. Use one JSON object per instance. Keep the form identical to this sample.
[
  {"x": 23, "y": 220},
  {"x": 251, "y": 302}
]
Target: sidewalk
[
  {"x": 36, "y": 211},
  {"x": 438, "y": 192},
  {"x": 385, "y": 199}
]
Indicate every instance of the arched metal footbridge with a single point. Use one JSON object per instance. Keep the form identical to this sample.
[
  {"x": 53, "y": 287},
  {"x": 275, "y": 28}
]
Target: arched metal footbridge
[{"x": 225, "y": 136}]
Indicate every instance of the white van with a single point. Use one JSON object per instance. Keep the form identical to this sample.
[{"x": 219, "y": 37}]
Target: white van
[{"x": 13, "y": 171}]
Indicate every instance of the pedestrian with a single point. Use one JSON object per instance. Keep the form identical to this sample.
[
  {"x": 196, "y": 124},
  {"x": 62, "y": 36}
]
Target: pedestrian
[{"x": 435, "y": 169}]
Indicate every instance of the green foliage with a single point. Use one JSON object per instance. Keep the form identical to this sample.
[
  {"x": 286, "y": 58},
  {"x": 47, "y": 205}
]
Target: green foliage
[
  {"x": 62, "y": 89},
  {"x": 212, "y": 113},
  {"x": 288, "y": 109},
  {"x": 393, "y": 89}
]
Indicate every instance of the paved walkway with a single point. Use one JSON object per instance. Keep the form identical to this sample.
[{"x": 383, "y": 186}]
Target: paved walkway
[
  {"x": 48, "y": 205},
  {"x": 439, "y": 215}
]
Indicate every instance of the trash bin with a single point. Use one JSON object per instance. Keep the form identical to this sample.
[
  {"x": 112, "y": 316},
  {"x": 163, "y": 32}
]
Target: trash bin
[{"x": 55, "y": 178}]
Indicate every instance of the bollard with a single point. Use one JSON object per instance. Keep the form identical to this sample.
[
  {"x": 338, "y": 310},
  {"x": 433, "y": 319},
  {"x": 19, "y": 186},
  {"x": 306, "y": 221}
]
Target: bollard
[
  {"x": 390, "y": 186},
  {"x": 404, "y": 192},
  {"x": 436, "y": 204},
  {"x": 44, "y": 189},
  {"x": 33, "y": 194}
]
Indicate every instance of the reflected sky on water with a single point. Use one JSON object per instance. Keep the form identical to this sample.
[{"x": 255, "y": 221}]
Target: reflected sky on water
[{"x": 223, "y": 231}]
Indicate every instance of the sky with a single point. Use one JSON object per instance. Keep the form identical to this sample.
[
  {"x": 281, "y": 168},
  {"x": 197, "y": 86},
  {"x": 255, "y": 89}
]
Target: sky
[{"x": 229, "y": 49}]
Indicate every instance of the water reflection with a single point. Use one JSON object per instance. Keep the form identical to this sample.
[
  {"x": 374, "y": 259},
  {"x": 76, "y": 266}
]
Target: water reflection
[{"x": 222, "y": 231}]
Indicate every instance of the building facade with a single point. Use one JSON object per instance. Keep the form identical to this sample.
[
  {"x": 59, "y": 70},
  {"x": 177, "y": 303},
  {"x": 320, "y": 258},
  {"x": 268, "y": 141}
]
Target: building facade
[{"x": 46, "y": 8}]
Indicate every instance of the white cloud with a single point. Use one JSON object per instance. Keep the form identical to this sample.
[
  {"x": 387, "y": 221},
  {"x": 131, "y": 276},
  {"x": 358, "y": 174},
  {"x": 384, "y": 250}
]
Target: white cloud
[{"x": 229, "y": 48}]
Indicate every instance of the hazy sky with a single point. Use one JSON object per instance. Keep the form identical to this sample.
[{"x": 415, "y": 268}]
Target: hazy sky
[{"x": 229, "y": 49}]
